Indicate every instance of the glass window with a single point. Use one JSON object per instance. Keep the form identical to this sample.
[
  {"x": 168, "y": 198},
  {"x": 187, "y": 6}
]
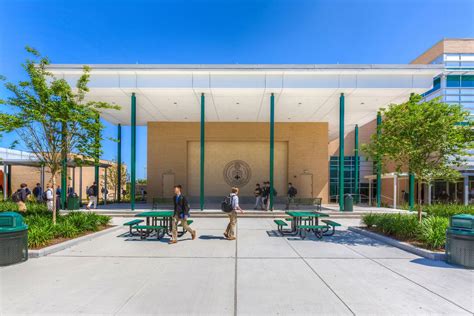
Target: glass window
[
  {"x": 467, "y": 98},
  {"x": 453, "y": 81},
  {"x": 451, "y": 98},
  {"x": 467, "y": 81}
]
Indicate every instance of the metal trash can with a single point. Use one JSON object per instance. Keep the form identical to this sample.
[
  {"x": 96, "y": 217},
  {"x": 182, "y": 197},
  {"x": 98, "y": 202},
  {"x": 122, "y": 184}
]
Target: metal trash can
[
  {"x": 348, "y": 203},
  {"x": 13, "y": 238},
  {"x": 73, "y": 203},
  {"x": 460, "y": 240}
]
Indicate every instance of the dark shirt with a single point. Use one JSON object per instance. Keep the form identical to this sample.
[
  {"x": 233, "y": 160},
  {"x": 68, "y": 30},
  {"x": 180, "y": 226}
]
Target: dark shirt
[
  {"x": 24, "y": 194},
  {"x": 258, "y": 191},
  {"x": 181, "y": 208},
  {"x": 291, "y": 192},
  {"x": 37, "y": 191}
]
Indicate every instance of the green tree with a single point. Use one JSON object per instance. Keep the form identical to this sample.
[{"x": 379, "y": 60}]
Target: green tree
[
  {"x": 113, "y": 178},
  {"x": 430, "y": 139},
  {"x": 52, "y": 118}
]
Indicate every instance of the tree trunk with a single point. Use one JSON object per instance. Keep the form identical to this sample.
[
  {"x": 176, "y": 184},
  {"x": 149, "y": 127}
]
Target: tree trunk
[{"x": 53, "y": 181}]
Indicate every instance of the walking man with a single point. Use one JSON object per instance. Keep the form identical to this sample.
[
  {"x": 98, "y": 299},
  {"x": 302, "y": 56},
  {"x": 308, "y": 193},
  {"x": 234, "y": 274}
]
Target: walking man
[
  {"x": 291, "y": 195},
  {"x": 21, "y": 196},
  {"x": 93, "y": 193},
  {"x": 258, "y": 197},
  {"x": 230, "y": 230},
  {"x": 49, "y": 195},
  {"x": 181, "y": 214}
]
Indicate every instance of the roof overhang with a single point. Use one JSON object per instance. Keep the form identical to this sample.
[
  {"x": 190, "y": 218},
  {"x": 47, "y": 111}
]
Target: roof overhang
[{"x": 303, "y": 93}]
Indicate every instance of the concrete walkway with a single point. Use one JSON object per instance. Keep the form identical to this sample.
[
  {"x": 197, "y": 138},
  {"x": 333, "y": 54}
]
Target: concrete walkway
[{"x": 259, "y": 274}]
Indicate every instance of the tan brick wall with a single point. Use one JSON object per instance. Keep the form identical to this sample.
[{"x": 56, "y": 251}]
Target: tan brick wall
[
  {"x": 31, "y": 176},
  {"x": 307, "y": 150},
  {"x": 445, "y": 46}
]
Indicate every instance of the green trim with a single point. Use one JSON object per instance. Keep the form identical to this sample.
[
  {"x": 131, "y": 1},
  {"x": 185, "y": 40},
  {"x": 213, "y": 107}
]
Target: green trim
[
  {"x": 272, "y": 146},
  {"x": 379, "y": 163},
  {"x": 119, "y": 162},
  {"x": 356, "y": 171},
  {"x": 411, "y": 191},
  {"x": 203, "y": 112},
  {"x": 133, "y": 168},
  {"x": 341, "y": 152}
]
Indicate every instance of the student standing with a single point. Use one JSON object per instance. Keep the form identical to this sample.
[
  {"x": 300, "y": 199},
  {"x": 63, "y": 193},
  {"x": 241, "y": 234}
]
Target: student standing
[
  {"x": 291, "y": 195},
  {"x": 92, "y": 192},
  {"x": 258, "y": 197},
  {"x": 181, "y": 214},
  {"x": 230, "y": 230},
  {"x": 38, "y": 192},
  {"x": 265, "y": 194},
  {"x": 49, "y": 195}
]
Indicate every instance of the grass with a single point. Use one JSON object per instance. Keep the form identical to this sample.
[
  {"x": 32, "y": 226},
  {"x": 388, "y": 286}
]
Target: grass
[{"x": 42, "y": 232}]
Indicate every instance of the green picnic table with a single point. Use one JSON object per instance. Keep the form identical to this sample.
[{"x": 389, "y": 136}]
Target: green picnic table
[
  {"x": 158, "y": 221},
  {"x": 301, "y": 220}
]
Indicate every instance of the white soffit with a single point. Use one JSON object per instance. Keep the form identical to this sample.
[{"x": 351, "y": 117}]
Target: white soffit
[{"x": 303, "y": 93}]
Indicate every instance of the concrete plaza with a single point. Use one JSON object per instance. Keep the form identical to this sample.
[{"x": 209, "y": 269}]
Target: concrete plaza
[{"x": 261, "y": 273}]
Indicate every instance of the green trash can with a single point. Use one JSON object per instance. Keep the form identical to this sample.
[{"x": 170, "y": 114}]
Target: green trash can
[
  {"x": 13, "y": 239},
  {"x": 73, "y": 203},
  {"x": 460, "y": 240},
  {"x": 348, "y": 203}
]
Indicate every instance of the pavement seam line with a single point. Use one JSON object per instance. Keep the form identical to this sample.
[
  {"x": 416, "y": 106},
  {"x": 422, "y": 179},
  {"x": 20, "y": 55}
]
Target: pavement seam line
[
  {"x": 317, "y": 274},
  {"x": 235, "y": 268},
  {"x": 408, "y": 279}
]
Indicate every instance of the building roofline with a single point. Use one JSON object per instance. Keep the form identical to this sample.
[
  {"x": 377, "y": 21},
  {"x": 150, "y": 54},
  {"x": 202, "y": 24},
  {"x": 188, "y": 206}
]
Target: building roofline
[{"x": 210, "y": 67}]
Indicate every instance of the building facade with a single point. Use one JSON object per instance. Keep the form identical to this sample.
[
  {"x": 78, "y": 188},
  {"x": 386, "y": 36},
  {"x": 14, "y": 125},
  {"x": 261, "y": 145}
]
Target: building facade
[{"x": 211, "y": 127}]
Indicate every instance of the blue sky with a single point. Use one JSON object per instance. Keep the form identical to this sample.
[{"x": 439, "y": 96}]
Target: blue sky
[{"x": 227, "y": 31}]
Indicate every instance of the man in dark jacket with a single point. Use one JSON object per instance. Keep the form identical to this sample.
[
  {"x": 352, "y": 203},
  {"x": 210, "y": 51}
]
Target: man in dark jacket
[
  {"x": 291, "y": 195},
  {"x": 181, "y": 214},
  {"x": 21, "y": 196}
]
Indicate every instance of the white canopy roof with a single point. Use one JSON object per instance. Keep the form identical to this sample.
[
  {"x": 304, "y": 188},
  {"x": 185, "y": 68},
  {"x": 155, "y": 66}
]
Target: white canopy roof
[{"x": 303, "y": 93}]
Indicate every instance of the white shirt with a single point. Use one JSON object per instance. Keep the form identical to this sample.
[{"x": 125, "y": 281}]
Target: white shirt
[
  {"x": 49, "y": 194},
  {"x": 235, "y": 201}
]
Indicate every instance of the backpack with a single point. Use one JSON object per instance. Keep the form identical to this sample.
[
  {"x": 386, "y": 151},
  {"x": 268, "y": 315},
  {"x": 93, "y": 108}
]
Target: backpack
[
  {"x": 90, "y": 191},
  {"x": 16, "y": 197},
  {"x": 44, "y": 196},
  {"x": 226, "y": 205}
]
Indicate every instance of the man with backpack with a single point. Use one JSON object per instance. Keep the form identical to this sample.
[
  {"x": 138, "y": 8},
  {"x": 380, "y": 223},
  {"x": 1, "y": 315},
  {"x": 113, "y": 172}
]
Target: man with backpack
[
  {"x": 230, "y": 206},
  {"x": 92, "y": 193},
  {"x": 291, "y": 195},
  {"x": 181, "y": 214},
  {"x": 21, "y": 196}
]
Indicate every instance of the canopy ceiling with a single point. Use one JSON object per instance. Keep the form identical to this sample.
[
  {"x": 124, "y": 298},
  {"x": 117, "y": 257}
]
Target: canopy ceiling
[{"x": 303, "y": 93}]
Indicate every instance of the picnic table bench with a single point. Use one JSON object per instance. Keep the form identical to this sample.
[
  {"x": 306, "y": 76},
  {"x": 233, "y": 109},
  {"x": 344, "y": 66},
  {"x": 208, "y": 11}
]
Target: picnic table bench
[
  {"x": 158, "y": 222},
  {"x": 302, "y": 222}
]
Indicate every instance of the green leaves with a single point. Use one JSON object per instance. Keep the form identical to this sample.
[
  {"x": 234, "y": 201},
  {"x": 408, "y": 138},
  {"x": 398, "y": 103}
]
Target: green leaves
[
  {"x": 50, "y": 116},
  {"x": 423, "y": 137}
]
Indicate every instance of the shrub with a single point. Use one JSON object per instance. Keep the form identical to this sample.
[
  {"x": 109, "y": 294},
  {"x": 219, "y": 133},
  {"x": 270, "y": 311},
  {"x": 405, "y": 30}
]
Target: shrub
[
  {"x": 39, "y": 236},
  {"x": 447, "y": 210},
  {"x": 433, "y": 231},
  {"x": 370, "y": 219}
]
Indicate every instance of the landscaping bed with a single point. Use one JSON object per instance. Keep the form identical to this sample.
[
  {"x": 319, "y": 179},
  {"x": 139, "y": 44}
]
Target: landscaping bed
[
  {"x": 42, "y": 232},
  {"x": 430, "y": 233}
]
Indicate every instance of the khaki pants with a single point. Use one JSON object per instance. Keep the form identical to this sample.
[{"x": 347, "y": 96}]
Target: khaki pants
[
  {"x": 49, "y": 204},
  {"x": 230, "y": 230},
  {"x": 21, "y": 206},
  {"x": 174, "y": 227},
  {"x": 92, "y": 201}
]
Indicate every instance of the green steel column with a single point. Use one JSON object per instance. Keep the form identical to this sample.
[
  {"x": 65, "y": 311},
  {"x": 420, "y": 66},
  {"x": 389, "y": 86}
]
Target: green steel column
[
  {"x": 356, "y": 162},
  {"x": 411, "y": 189},
  {"x": 133, "y": 151},
  {"x": 341, "y": 152},
  {"x": 203, "y": 112},
  {"x": 272, "y": 145},
  {"x": 119, "y": 162},
  {"x": 96, "y": 158},
  {"x": 63, "y": 166},
  {"x": 379, "y": 163}
]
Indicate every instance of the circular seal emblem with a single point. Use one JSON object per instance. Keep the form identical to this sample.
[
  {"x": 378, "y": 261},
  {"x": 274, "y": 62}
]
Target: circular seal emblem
[{"x": 237, "y": 173}]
